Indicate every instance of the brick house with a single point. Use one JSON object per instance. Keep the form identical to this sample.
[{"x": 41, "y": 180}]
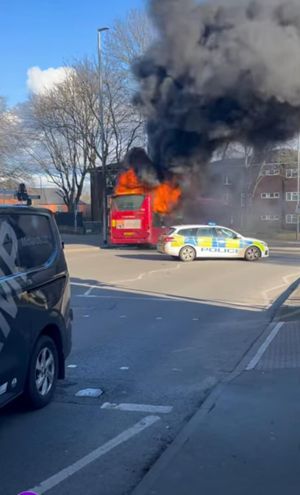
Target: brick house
[
  {"x": 275, "y": 197},
  {"x": 97, "y": 188},
  {"x": 260, "y": 197}
]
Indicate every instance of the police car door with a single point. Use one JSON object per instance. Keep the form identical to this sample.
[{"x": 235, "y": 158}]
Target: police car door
[
  {"x": 13, "y": 322},
  {"x": 226, "y": 242},
  {"x": 206, "y": 248}
]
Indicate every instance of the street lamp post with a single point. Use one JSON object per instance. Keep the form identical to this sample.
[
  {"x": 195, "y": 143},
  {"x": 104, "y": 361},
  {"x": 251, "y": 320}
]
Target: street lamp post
[
  {"x": 298, "y": 190},
  {"x": 101, "y": 116}
]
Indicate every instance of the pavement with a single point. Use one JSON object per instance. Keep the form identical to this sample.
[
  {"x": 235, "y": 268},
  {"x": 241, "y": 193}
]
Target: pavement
[
  {"x": 245, "y": 437},
  {"x": 162, "y": 344}
]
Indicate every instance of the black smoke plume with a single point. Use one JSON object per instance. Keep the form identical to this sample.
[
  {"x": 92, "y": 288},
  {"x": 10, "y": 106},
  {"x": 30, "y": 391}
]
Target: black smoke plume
[{"x": 219, "y": 71}]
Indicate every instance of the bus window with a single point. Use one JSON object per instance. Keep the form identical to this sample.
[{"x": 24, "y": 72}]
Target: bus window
[{"x": 128, "y": 202}]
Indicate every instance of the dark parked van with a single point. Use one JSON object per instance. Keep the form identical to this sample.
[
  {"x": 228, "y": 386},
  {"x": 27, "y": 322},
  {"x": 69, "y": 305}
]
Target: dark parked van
[{"x": 35, "y": 313}]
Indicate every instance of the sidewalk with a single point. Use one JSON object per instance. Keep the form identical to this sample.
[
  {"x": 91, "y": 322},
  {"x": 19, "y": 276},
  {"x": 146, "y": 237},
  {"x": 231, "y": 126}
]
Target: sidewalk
[{"x": 245, "y": 439}]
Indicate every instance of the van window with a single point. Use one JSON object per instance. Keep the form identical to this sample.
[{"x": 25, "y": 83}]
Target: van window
[{"x": 26, "y": 242}]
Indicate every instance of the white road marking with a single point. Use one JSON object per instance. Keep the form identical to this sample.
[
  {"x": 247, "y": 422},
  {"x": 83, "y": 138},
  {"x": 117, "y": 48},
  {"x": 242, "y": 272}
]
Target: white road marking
[
  {"x": 147, "y": 408},
  {"x": 124, "y": 368},
  {"x": 123, "y": 317},
  {"x": 72, "y": 366},
  {"x": 287, "y": 280},
  {"x": 128, "y": 298},
  {"x": 90, "y": 392},
  {"x": 144, "y": 274},
  {"x": 64, "y": 474},
  {"x": 159, "y": 318},
  {"x": 88, "y": 292},
  {"x": 185, "y": 349},
  {"x": 255, "y": 360}
]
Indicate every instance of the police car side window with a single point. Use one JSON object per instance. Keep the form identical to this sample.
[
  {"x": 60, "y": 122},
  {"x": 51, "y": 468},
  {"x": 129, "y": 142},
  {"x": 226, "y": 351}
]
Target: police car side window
[
  {"x": 205, "y": 232},
  {"x": 228, "y": 233},
  {"x": 223, "y": 233},
  {"x": 188, "y": 232},
  {"x": 28, "y": 242}
]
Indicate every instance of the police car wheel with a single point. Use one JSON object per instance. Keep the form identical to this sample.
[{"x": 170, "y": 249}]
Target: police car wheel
[
  {"x": 253, "y": 253},
  {"x": 42, "y": 374},
  {"x": 187, "y": 253}
]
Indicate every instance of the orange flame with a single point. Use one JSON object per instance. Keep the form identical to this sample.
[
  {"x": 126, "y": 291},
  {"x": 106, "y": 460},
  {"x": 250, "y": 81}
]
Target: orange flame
[{"x": 165, "y": 196}]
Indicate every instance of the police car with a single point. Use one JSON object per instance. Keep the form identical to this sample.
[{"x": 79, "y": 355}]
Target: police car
[{"x": 189, "y": 242}]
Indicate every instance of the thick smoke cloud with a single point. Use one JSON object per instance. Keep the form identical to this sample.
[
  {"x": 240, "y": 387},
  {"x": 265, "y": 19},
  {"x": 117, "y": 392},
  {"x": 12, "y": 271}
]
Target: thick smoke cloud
[{"x": 219, "y": 71}]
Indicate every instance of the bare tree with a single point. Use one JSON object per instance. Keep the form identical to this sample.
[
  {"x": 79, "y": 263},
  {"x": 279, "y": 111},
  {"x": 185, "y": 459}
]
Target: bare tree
[
  {"x": 11, "y": 166},
  {"x": 65, "y": 127},
  {"x": 60, "y": 127},
  {"x": 128, "y": 40}
]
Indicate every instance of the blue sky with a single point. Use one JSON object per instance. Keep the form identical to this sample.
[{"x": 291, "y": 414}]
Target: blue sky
[{"x": 49, "y": 33}]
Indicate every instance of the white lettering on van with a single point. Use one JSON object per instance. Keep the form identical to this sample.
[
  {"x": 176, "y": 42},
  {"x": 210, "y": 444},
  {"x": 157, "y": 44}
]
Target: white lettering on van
[{"x": 8, "y": 305}]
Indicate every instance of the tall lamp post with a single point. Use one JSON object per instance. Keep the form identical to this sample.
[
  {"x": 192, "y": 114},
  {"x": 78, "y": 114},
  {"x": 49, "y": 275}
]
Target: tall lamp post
[
  {"x": 298, "y": 190},
  {"x": 103, "y": 151}
]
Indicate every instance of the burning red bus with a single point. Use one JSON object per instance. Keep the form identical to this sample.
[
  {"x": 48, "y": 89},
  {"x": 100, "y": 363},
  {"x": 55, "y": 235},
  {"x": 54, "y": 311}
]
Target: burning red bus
[
  {"x": 133, "y": 220},
  {"x": 138, "y": 211}
]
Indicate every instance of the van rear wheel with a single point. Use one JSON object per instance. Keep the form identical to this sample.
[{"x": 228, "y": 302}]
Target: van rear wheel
[{"x": 42, "y": 373}]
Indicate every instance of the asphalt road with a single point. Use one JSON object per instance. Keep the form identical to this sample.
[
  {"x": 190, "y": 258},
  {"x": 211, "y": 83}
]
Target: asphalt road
[{"x": 155, "y": 336}]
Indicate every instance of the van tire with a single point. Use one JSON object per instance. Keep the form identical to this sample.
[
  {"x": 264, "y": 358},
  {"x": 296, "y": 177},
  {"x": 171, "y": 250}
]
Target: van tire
[{"x": 42, "y": 373}]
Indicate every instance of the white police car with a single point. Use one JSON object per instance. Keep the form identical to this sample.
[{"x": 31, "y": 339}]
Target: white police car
[{"x": 189, "y": 242}]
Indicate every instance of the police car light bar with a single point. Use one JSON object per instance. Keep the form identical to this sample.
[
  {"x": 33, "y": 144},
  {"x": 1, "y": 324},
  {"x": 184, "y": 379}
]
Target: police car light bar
[{"x": 212, "y": 224}]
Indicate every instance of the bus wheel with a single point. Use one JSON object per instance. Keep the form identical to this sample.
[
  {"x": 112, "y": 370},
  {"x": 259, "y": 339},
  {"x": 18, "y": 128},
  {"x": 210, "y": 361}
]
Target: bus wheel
[{"x": 187, "y": 253}]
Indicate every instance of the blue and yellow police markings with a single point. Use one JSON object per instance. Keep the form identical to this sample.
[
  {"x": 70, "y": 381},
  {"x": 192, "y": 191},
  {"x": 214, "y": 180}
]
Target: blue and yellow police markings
[
  {"x": 209, "y": 244},
  {"x": 216, "y": 245}
]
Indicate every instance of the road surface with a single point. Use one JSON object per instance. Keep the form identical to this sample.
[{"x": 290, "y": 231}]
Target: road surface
[{"x": 153, "y": 336}]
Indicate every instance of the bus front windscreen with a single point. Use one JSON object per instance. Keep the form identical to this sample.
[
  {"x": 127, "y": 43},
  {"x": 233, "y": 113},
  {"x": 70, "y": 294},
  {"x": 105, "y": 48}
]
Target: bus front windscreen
[{"x": 128, "y": 202}]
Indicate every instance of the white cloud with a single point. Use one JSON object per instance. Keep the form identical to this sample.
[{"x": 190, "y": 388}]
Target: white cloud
[{"x": 40, "y": 81}]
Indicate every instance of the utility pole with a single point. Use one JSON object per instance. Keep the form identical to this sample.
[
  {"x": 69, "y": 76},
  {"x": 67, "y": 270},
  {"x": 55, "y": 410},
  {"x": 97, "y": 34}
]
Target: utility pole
[
  {"x": 298, "y": 190},
  {"x": 102, "y": 130}
]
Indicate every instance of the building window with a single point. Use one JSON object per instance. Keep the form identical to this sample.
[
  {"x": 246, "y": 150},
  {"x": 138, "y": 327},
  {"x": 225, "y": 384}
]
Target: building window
[
  {"x": 291, "y": 173},
  {"x": 227, "y": 181},
  {"x": 275, "y": 195},
  {"x": 270, "y": 218},
  {"x": 271, "y": 171},
  {"x": 226, "y": 197},
  {"x": 292, "y": 196},
  {"x": 291, "y": 219}
]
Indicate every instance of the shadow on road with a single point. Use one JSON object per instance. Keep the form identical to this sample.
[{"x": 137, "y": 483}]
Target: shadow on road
[{"x": 95, "y": 289}]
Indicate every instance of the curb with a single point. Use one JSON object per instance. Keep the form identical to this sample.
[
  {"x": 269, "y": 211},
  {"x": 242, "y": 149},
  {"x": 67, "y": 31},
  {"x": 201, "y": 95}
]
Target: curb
[
  {"x": 145, "y": 486},
  {"x": 279, "y": 302}
]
